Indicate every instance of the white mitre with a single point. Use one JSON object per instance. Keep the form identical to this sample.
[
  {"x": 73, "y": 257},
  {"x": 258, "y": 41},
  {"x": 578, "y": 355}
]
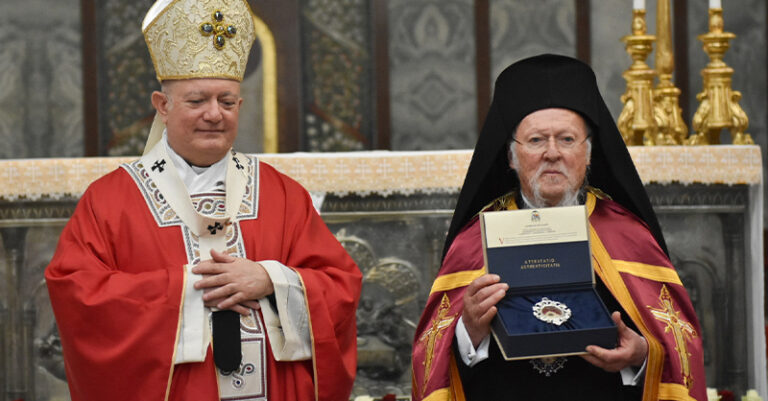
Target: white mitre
[{"x": 197, "y": 39}]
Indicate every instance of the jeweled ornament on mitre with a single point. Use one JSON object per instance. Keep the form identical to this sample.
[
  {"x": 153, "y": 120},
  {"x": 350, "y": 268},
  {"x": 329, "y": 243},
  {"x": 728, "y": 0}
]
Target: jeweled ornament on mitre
[{"x": 199, "y": 38}]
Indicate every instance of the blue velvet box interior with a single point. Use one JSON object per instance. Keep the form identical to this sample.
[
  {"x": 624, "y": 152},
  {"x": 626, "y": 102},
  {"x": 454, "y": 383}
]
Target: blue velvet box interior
[
  {"x": 520, "y": 335},
  {"x": 518, "y": 332}
]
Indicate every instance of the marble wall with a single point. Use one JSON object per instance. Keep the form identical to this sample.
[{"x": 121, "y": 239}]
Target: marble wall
[
  {"x": 41, "y": 95},
  {"x": 432, "y": 74},
  {"x": 521, "y": 29}
]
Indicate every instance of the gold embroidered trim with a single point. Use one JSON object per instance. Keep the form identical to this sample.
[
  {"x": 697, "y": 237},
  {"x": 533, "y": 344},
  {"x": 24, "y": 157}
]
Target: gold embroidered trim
[
  {"x": 598, "y": 193},
  {"x": 455, "y": 280},
  {"x": 178, "y": 333},
  {"x": 311, "y": 336},
  {"x": 591, "y": 203},
  {"x": 674, "y": 391},
  {"x": 507, "y": 201},
  {"x": 610, "y": 275},
  {"x": 438, "y": 395},
  {"x": 456, "y": 388},
  {"x": 651, "y": 272}
]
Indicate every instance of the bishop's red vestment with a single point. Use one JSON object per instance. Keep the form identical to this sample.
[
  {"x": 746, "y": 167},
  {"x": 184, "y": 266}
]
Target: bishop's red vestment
[{"x": 116, "y": 284}]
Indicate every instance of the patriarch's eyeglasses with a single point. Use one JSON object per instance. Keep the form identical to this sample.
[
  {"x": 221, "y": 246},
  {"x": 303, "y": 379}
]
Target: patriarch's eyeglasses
[{"x": 540, "y": 142}]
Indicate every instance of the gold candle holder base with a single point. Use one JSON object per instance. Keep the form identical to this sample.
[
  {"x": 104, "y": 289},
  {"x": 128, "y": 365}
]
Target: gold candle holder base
[
  {"x": 637, "y": 121},
  {"x": 718, "y": 104},
  {"x": 672, "y": 129}
]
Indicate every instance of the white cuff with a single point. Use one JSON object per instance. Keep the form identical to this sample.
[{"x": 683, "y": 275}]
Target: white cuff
[
  {"x": 631, "y": 376},
  {"x": 469, "y": 355},
  {"x": 194, "y": 332},
  {"x": 288, "y": 328}
]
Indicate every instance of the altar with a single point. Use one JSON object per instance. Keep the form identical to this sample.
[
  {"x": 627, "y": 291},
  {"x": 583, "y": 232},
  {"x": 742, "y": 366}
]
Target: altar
[{"x": 391, "y": 211}]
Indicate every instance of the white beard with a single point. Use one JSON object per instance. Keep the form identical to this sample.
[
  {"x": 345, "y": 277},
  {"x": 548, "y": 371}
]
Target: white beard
[{"x": 570, "y": 197}]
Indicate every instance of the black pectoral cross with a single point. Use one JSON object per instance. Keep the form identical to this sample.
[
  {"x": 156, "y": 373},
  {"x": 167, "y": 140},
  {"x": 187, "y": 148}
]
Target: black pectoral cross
[
  {"x": 237, "y": 163},
  {"x": 215, "y": 227},
  {"x": 159, "y": 165}
]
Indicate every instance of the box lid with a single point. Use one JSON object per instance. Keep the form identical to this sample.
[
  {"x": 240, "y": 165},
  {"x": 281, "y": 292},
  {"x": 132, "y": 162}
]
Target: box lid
[{"x": 537, "y": 249}]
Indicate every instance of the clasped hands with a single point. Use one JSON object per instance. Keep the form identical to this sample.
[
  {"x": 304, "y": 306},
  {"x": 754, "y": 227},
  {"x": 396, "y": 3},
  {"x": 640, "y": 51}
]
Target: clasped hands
[
  {"x": 486, "y": 291},
  {"x": 232, "y": 283}
]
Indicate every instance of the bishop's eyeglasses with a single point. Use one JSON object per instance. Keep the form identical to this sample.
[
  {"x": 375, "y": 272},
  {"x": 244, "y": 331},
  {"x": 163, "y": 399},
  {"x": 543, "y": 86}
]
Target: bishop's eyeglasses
[{"x": 536, "y": 143}]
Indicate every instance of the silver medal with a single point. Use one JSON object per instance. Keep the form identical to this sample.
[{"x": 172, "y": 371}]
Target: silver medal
[{"x": 550, "y": 311}]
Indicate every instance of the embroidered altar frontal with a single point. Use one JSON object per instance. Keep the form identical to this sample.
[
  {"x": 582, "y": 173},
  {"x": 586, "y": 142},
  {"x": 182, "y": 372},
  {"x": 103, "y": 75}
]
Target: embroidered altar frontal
[{"x": 551, "y": 307}]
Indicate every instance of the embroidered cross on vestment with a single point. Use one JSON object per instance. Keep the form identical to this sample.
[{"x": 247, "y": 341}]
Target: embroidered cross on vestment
[
  {"x": 237, "y": 163},
  {"x": 433, "y": 334},
  {"x": 159, "y": 165},
  {"x": 213, "y": 228},
  {"x": 681, "y": 330}
]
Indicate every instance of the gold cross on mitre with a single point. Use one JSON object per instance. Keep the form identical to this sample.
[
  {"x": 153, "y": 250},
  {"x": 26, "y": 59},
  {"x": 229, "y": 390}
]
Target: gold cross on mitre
[
  {"x": 218, "y": 29},
  {"x": 434, "y": 333},
  {"x": 682, "y": 331}
]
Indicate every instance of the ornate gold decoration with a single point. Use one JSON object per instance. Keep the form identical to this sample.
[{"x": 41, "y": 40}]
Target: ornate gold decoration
[
  {"x": 434, "y": 333},
  {"x": 682, "y": 331},
  {"x": 667, "y": 95},
  {"x": 269, "y": 66},
  {"x": 719, "y": 104},
  {"x": 639, "y": 120},
  {"x": 218, "y": 29},
  {"x": 179, "y": 51}
]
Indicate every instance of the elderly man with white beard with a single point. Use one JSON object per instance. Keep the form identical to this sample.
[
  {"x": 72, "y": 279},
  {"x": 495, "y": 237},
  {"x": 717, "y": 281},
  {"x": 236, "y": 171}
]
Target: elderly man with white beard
[{"x": 549, "y": 140}]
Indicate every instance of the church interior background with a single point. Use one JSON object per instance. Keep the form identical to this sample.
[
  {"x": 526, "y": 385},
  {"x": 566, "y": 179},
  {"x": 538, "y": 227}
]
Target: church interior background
[{"x": 413, "y": 76}]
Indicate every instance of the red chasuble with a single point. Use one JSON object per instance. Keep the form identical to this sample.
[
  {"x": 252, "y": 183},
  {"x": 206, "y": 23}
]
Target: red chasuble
[
  {"x": 633, "y": 267},
  {"x": 116, "y": 284}
]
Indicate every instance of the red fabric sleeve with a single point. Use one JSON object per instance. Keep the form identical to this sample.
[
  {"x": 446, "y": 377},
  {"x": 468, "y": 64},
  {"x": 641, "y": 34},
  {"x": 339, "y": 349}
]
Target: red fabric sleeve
[
  {"x": 118, "y": 326},
  {"x": 331, "y": 280}
]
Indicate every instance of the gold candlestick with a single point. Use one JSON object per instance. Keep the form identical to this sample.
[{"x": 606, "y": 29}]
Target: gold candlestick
[
  {"x": 719, "y": 104},
  {"x": 667, "y": 95},
  {"x": 637, "y": 121}
]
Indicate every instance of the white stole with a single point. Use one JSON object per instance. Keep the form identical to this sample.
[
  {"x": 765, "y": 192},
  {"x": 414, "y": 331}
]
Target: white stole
[{"x": 250, "y": 379}]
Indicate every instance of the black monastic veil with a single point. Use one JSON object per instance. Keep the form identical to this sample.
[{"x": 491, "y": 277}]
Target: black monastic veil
[{"x": 540, "y": 82}]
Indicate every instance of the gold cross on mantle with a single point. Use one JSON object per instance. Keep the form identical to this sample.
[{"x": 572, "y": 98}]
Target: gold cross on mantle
[
  {"x": 682, "y": 331},
  {"x": 434, "y": 333}
]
